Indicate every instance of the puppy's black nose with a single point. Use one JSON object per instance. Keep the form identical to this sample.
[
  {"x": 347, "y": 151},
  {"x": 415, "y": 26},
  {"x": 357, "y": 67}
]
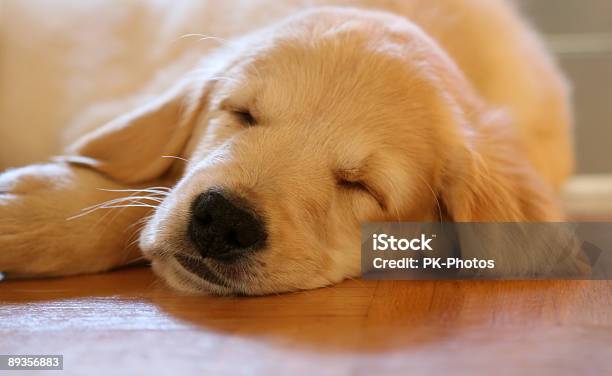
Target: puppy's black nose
[{"x": 223, "y": 230}]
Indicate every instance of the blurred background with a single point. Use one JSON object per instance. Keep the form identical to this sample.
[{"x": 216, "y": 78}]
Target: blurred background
[{"x": 580, "y": 33}]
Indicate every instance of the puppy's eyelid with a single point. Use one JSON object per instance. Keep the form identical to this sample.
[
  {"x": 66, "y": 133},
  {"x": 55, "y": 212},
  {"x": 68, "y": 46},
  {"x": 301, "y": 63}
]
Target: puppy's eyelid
[
  {"x": 350, "y": 184},
  {"x": 245, "y": 116},
  {"x": 353, "y": 179},
  {"x": 349, "y": 179}
]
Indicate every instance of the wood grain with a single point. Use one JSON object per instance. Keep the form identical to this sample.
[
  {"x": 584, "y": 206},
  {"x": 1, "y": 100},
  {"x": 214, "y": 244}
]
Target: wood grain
[{"x": 128, "y": 322}]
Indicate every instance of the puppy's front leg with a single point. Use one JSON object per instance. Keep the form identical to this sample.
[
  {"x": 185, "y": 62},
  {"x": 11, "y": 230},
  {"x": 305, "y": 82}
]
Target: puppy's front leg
[{"x": 37, "y": 236}]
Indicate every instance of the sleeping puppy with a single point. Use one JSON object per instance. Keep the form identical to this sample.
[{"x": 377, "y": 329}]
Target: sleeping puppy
[{"x": 262, "y": 162}]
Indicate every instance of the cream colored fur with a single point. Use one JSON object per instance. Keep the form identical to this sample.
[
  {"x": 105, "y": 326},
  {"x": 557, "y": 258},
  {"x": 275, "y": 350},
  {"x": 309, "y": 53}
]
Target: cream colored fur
[{"x": 434, "y": 110}]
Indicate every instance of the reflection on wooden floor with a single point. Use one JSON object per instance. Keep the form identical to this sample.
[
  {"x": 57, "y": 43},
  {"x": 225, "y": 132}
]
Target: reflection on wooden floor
[{"x": 123, "y": 321}]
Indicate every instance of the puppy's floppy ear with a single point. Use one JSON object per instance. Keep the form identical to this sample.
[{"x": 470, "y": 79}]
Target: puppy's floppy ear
[
  {"x": 131, "y": 147},
  {"x": 489, "y": 179}
]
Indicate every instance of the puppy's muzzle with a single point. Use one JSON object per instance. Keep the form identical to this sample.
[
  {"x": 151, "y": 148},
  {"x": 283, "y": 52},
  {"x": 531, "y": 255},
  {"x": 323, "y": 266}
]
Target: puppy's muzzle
[{"x": 223, "y": 227}]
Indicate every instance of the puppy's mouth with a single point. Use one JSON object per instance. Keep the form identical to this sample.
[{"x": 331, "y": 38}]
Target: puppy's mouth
[{"x": 201, "y": 270}]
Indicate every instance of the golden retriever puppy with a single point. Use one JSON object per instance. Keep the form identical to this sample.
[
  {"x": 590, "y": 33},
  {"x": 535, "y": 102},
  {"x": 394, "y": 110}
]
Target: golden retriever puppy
[{"x": 262, "y": 162}]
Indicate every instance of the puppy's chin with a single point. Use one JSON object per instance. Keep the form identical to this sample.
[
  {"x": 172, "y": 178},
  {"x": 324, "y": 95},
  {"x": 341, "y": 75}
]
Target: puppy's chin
[
  {"x": 181, "y": 280},
  {"x": 169, "y": 269}
]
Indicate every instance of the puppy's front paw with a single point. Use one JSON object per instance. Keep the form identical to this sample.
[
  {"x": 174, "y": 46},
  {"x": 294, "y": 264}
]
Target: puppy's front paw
[
  {"x": 27, "y": 206},
  {"x": 38, "y": 239}
]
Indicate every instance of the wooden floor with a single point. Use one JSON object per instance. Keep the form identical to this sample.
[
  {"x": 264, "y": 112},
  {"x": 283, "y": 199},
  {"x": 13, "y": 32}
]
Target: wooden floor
[{"x": 128, "y": 322}]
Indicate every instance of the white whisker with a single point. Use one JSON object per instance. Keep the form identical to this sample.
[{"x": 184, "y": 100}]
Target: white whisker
[
  {"x": 153, "y": 189},
  {"x": 121, "y": 199},
  {"x": 175, "y": 157},
  {"x": 202, "y": 37},
  {"x": 224, "y": 78},
  {"x": 138, "y": 198},
  {"x": 129, "y": 206}
]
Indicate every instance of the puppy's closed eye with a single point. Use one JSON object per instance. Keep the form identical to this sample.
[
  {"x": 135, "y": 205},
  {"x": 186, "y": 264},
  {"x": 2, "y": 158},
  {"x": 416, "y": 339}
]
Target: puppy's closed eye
[
  {"x": 242, "y": 112},
  {"x": 244, "y": 116},
  {"x": 351, "y": 181}
]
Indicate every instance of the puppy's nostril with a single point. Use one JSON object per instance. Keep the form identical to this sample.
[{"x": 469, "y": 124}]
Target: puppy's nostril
[
  {"x": 204, "y": 219},
  {"x": 222, "y": 229},
  {"x": 244, "y": 237},
  {"x": 232, "y": 239}
]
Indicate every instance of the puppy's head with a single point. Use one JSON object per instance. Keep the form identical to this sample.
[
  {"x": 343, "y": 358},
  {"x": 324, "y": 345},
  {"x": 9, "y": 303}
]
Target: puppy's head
[{"x": 297, "y": 135}]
